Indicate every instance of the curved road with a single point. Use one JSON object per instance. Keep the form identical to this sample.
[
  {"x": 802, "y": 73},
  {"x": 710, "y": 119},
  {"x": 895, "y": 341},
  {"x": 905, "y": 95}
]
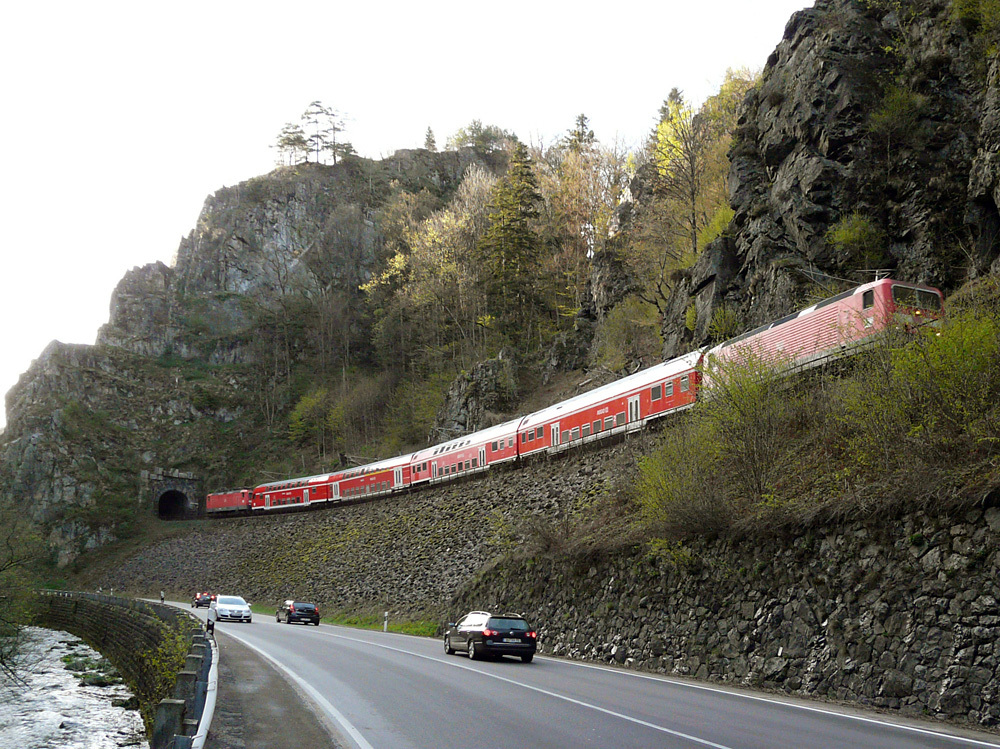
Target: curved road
[{"x": 388, "y": 691}]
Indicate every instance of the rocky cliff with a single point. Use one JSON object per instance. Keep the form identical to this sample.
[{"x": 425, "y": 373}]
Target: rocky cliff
[
  {"x": 887, "y": 112},
  {"x": 168, "y": 384}
]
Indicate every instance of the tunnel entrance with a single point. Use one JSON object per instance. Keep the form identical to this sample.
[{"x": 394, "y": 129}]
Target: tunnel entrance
[
  {"x": 173, "y": 495},
  {"x": 172, "y": 505}
]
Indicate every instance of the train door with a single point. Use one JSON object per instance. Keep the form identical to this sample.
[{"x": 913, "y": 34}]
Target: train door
[
  {"x": 633, "y": 409},
  {"x": 267, "y": 500},
  {"x": 335, "y": 491},
  {"x": 482, "y": 456},
  {"x": 305, "y": 496},
  {"x": 398, "y": 477},
  {"x": 434, "y": 470},
  {"x": 555, "y": 434}
]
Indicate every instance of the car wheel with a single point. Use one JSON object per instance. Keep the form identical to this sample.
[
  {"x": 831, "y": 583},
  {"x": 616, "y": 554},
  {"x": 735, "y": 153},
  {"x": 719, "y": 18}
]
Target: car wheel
[
  {"x": 448, "y": 649},
  {"x": 472, "y": 650},
  {"x": 527, "y": 658},
  {"x": 316, "y": 622},
  {"x": 277, "y": 618}
]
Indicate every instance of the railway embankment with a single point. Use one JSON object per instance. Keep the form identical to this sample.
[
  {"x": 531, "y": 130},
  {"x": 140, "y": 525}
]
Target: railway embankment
[{"x": 899, "y": 613}]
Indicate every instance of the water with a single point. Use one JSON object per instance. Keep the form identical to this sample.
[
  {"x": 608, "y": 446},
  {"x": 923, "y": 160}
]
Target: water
[{"x": 54, "y": 710}]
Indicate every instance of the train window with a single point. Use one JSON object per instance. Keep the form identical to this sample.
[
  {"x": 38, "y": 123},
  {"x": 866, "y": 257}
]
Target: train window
[
  {"x": 575, "y": 435},
  {"x": 868, "y": 299},
  {"x": 531, "y": 436},
  {"x": 597, "y": 426},
  {"x": 468, "y": 465},
  {"x": 904, "y": 295},
  {"x": 493, "y": 447},
  {"x": 565, "y": 435},
  {"x": 524, "y": 437},
  {"x": 586, "y": 430},
  {"x": 657, "y": 392},
  {"x": 475, "y": 462},
  {"x": 423, "y": 466},
  {"x": 538, "y": 433},
  {"x": 619, "y": 419},
  {"x": 928, "y": 300},
  {"x": 685, "y": 383},
  {"x": 510, "y": 442},
  {"x": 609, "y": 422},
  {"x": 669, "y": 389}
]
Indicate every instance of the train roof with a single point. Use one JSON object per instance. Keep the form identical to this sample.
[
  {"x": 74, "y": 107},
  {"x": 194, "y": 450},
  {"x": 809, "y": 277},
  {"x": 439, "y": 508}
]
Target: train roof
[
  {"x": 489, "y": 434},
  {"x": 633, "y": 382}
]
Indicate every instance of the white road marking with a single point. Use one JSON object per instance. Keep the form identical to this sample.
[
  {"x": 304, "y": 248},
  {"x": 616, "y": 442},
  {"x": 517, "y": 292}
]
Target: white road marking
[
  {"x": 772, "y": 701},
  {"x": 348, "y": 727},
  {"x": 456, "y": 664}
]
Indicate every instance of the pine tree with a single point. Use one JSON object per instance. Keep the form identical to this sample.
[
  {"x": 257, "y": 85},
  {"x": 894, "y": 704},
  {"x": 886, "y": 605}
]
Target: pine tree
[
  {"x": 510, "y": 250},
  {"x": 429, "y": 142}
]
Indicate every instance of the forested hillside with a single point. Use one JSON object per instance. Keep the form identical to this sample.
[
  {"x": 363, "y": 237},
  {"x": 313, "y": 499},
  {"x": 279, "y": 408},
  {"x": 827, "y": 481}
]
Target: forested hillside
[{"x": 328, "y": 314}]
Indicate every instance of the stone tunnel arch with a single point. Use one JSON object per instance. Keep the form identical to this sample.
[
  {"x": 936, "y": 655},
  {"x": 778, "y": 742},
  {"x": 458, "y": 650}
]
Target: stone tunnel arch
[
  {"x": 173, "y": 495},
  {"x": 172, "y": 505}
]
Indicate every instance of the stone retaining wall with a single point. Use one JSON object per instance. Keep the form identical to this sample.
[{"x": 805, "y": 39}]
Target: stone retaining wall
[
  {"x": 160, "y": 651},
  {"x": 903, "y": 615}
]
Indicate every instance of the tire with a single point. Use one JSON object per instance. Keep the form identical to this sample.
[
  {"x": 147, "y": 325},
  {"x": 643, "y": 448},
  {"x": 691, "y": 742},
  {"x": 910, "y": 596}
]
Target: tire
[
  {"x": 277, "y": 618},
  {"x": 448, "y": 649},
  {"x": 316, "y": 622},
  {"x": 527, "y": 658},
  {"x": 472, "y": 651}
]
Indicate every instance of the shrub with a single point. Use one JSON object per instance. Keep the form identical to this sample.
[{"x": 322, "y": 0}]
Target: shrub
[{"x": 859, "y": 240}]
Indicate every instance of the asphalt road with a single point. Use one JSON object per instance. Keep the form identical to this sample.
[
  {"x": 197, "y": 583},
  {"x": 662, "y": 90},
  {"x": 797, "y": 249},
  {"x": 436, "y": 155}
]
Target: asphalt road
[{"x": 388, "y": 691}]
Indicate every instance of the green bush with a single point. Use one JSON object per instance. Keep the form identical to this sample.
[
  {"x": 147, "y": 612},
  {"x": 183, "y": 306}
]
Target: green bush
[{"x": 859, "y": 240}]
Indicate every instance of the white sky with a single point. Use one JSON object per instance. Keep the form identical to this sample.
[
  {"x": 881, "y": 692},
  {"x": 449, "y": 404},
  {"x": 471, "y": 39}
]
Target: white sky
[{"x": 118, "y": 119}]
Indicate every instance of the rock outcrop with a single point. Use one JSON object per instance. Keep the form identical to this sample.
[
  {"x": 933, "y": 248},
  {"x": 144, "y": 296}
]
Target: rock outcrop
[{"x": 864, "y": 109}]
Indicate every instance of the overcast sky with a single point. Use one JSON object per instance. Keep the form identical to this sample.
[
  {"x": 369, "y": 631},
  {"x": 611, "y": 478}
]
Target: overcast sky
[{"x": 120, "y": 118}]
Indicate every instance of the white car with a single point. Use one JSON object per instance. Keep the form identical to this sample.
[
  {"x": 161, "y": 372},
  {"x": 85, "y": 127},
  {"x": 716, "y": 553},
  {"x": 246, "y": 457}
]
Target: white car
[{"x": 229, "y": 609}]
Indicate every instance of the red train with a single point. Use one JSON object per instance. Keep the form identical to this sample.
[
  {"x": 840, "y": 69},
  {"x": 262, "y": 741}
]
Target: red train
[{"x": 831, "y": 328}]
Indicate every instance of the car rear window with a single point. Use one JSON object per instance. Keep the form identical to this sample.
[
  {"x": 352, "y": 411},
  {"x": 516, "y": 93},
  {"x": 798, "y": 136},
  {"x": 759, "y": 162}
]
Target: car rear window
[
  {"x": 504, "y": 622},
  {"x": 304, "y": 606}
]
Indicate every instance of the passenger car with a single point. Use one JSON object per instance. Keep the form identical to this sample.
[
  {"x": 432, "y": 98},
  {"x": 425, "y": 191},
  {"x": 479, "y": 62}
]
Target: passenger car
[
  {"x": 201, "y": 599},
  {"x": 298, "y": 611},
  {"x": 484, "y": 635},
  {"x": 229, "y": 609}
]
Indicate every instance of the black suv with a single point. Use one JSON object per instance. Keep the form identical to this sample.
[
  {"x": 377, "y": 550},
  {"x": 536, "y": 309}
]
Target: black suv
[
  {"x": 298, "y": 611},
  {"x": 485, "y": 635}
]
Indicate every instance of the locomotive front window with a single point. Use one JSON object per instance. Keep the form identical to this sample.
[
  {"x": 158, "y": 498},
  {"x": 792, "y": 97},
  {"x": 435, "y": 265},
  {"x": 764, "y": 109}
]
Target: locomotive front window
[
  {"x": 928, "y": 300},
  {"x": 868, "y": 299}
]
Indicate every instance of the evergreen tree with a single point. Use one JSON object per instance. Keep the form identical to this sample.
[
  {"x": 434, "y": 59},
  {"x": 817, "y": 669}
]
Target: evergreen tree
[
  {"x": 581, "y": 137},
  {"x": 292, "y": 145},
  {"x": 429, "y": 142},
  {"x": 510, "y": 250}
]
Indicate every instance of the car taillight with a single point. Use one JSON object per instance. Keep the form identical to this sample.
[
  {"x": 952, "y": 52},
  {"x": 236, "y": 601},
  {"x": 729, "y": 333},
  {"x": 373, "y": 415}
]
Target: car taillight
[
  {"x": 490, "y": 633},
  {"x": 532, "y": 635},
  {"x": 292, "y": 608}
]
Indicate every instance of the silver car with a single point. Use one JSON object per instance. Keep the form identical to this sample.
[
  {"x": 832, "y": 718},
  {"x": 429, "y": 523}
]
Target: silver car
[{"x": 229, "y": 609}]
